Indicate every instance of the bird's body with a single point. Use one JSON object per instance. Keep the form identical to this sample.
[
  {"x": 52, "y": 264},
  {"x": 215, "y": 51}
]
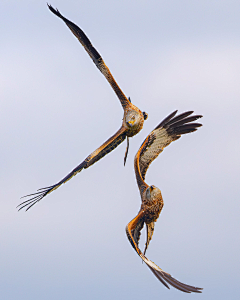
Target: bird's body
[
  {"x": 131, "y": 115},
  {"x": 169, "y": 130},
  {"x": 132, "y": 123},
  {"x": 152, "y": 204}
]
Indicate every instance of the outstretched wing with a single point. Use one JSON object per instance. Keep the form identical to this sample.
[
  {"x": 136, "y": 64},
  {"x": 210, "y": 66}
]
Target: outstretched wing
[
  {"x": 95, "y": 56},
  {"x": 162, "y": 276},
  {"x": 169, "y": 130},
  {"x": 103, "y": 150}
]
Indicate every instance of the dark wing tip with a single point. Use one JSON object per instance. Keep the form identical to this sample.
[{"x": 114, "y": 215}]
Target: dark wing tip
[
  {"x": 165, "y": 277},
  {"x": 183, "y": 129},
  {"x": 145, "y": 115},
  {"x": 182, "y": 119},
  {"x": 175, "y": 283},
  {"x": 55, "y": 11},
  {"x": 36, "y": 198},
  {"x": 181, "y": 124},
  {"x": 167, "y": 119}
]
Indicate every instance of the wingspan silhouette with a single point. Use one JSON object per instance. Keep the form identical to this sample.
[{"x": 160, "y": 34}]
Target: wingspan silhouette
[{"x": 132, "y": 122}]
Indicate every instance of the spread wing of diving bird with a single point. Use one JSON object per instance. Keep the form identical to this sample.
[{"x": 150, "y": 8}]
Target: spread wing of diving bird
[
  {"x": 132, "y": 123},
  {"x": 169, "y": 130}
]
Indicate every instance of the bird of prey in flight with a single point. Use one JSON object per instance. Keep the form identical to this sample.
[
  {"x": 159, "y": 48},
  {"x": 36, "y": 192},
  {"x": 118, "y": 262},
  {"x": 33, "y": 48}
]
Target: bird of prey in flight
[
  {"x": 132, "y": 123},
  {"x": 169, "y": 130}
]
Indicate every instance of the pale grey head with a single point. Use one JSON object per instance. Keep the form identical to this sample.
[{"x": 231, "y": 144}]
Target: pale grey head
[
  {"x": 153, "y": 192},
  {"x": 133, "y": 118}
]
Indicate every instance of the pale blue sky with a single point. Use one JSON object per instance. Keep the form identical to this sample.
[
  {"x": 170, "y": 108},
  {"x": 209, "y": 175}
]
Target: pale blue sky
[{"x": 56, "y": 108}]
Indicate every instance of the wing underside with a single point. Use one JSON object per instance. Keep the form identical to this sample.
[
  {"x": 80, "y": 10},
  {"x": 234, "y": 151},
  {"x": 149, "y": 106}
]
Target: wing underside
[
  {"x": 103, "y": 150},
  {"x": 169, "y": 130},
  {"x": 95, "y": 56}
]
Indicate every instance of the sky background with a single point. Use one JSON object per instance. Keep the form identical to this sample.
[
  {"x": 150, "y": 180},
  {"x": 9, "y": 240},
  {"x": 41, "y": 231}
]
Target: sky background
[{"x": 56, "y": 108}]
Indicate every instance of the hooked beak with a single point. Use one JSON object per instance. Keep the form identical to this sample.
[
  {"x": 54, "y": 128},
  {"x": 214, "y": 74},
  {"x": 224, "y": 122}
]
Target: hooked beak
[{"x": 130, "y": 123}]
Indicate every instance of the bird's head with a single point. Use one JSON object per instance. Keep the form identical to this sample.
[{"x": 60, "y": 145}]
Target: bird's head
[
  {"x": 134, "y": 118},
  {"x": 152, "y": 192}
]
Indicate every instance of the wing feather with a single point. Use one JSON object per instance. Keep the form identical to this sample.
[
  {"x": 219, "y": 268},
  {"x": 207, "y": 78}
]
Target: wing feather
[
  {"x": 136, "y": 233},
  {"x": 95, "y": 56},
  {"x": 169, "y": 130},
  {"x": 133, "y": 230},
  {"x": 150, "y": 230},
  {"x": 162, "y": 276},
  {"x": 103, "y": 150}
]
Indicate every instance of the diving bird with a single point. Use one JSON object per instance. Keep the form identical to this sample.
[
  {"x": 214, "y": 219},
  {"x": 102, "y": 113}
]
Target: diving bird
[
  {"x": 169, "y": 130},
  {"x": 132, "y": 123}
]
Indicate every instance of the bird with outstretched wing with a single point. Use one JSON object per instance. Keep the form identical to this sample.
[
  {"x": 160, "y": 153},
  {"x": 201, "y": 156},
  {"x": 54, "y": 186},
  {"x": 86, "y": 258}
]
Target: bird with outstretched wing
[
  {"x": 132, "y": 123},
  {"x": 169, "y": 130}
]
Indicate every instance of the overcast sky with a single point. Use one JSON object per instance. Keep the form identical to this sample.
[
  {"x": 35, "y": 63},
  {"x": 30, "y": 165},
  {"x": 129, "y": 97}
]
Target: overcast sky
[{"x": 56, "y": 108}]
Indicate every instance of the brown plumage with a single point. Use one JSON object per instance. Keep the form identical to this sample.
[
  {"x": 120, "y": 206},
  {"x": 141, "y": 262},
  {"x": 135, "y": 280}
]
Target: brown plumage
[
  {"x": 132, "y": 123},
  {"x": 169, "y": 130}
]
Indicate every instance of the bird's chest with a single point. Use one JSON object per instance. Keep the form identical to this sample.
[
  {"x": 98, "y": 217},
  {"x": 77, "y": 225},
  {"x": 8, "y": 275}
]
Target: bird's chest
[
  {"x": 152, "y": 211},
  {"x": 135, "y": 129}
]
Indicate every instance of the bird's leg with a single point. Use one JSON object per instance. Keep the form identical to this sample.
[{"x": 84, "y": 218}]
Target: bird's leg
[{"x": 126, "y": 152}]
